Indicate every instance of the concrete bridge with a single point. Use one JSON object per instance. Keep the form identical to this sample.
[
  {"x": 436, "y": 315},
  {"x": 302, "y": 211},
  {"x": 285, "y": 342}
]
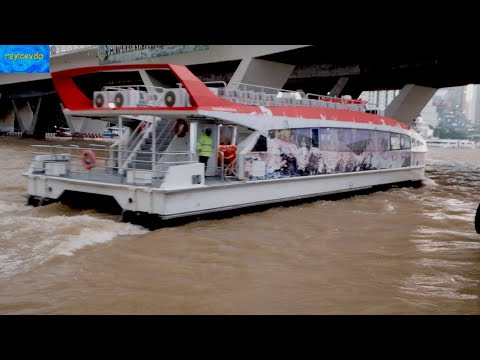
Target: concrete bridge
[{"x": 315, "y": 69}]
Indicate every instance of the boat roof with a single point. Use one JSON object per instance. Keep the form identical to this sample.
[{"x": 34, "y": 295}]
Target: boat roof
[{"x": 202, "y": 99}]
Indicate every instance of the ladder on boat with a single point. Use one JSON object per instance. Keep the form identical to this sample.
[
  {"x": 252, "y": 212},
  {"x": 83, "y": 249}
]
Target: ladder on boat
[{"x": 147, "y": 141}]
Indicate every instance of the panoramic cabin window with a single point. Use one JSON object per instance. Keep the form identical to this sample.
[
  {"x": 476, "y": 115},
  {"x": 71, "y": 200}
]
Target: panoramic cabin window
[
  {"x": 380, "y": 141},
  {"x": 405, "y": 142},
  {"x": 395, "y": 141},
  {"x": 261, "y": 144},
  {"x": 327, "y": 139},
  {"x": 339, "y": 139},
  {"x": 344, "y": 139},
  {"x": 360, "y": 140},
  {"x": 302, "y": 137},
  {"x": 315, "y": 138}
]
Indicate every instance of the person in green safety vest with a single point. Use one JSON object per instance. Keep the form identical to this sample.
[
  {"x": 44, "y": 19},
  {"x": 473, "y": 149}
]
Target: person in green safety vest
[{"x": 205, "y": 146}]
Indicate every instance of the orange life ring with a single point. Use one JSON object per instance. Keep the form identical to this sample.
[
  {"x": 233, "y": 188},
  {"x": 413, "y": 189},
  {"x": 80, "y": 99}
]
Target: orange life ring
[
  {"x": 88, "y": 159},
  {"x": 229, "y": 154},
  {"x": 180, "y": 128}
]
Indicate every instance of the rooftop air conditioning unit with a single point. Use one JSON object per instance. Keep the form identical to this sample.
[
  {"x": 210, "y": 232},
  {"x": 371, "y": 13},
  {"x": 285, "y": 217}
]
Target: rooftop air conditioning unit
[
  {"x": 126, "y": 98},
  {"x": 150, "y": 99},
  {"x": 176, "y": 97},
  {"x": 101, "y": 99}
]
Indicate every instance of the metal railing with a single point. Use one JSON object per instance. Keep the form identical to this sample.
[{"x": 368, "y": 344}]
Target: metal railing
[
  {"x": 158, "y": 89},
  {"x": 106, "y": 164},
  {"x": 261, "y": 87}
]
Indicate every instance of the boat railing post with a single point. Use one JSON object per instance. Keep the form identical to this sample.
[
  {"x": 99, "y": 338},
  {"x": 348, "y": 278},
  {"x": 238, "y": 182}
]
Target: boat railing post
[
  {"x": 120, "y": 145},
  {"x": 154, "y": 142},
  {"x": 222, "y": 164}
]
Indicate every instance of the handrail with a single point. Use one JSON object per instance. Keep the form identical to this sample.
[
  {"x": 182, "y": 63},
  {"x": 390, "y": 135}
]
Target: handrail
[
  {"x": 215, "y": 82},
  {"x": 262, "y": 87},
  {"x": 134, "y": 142},
  {"x": 132, "y": 87},
  {"x": 231, "y": 167},
  {"x": 336, "y": 99}
]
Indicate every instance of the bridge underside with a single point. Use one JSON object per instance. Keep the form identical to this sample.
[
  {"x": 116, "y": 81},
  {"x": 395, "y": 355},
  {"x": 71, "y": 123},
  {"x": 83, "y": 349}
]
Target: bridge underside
[
  {"x": 318, "y": 72},
  {"x": 317, "y": 69}
]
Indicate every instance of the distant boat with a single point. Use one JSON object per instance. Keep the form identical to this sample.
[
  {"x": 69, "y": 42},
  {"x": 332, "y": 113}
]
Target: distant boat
[
  {"x": 450, "y": 143},
  {"x": 113, "y": 131},
  {"x": 63, "y": 132}
]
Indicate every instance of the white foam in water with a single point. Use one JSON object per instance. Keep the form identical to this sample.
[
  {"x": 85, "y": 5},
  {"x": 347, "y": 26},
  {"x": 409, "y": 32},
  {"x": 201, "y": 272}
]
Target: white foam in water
[
  {"x": 29, "y": 241},
  {"x": 7, "y": 207},
  {"x": 446, "y": 286},
  {"x": 428, "y": 232},
  {"x": 457, "y": 205},
  {"x": 389, "y": 207},
  {"x": 92, "y": 236},
  {"x": 451, "y": 209},
  {"x": 437, "y": 246},
  {"x": 429, "y": 182},
  {"x": 439, "y": 215}
]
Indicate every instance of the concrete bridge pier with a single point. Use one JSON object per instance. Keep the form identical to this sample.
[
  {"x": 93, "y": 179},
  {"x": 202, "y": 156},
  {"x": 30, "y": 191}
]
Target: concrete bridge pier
[
  {"x": 338, "y": 87},
  {"x": 408, "y": 104},
  {"x": 7, "y": 116},
  {"x": 27, "y": 119},
  {"x": 261, "y": 72}
]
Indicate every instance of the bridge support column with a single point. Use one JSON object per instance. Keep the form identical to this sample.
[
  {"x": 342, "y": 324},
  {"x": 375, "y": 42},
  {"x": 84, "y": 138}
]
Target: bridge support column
[
  {"x": 261, "y": 72},
  {"x": 337, "y": 89},
  {"x": 25, "y": 116},
  {"x": 408, "y": 104},
  {"x": 7, "y": 117},
  {"x": 150, "y": 81}
]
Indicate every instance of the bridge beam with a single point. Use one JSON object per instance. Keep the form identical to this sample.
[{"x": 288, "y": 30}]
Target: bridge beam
[
  {"x": 408, "y": 104},
  {"x": 261, "y": 72}
]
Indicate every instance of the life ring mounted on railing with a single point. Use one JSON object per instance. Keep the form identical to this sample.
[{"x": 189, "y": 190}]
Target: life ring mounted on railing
[
  {"x": 181, "y": 128},
  {"x": 88, "y": 159}
]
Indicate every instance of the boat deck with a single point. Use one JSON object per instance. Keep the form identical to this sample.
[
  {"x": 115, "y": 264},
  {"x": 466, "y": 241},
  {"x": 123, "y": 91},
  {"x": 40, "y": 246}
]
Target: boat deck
[{"x": 117, "y": 179}]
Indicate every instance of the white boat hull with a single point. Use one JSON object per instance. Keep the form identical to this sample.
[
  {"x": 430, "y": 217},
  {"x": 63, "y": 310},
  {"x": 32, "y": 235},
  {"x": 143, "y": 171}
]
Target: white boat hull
[{"x": 168, "y": 204}]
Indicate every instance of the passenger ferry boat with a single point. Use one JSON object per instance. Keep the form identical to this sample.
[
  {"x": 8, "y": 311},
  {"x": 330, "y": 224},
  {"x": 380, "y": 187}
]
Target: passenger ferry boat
[{"x": 268, "y": 148}]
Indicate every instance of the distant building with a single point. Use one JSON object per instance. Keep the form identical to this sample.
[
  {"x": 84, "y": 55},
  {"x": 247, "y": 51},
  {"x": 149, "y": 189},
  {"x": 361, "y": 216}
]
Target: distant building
[
  {"x": 474, "y": 105},
  {"x": 379, "y": 99},
  {"x": 55, "y": 49},
  {"x": 429, "y": 114}
]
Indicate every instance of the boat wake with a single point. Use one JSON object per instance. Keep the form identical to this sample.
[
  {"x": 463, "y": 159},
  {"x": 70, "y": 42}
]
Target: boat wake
[
  {"x": 8, "y": 207},
  {"x": 429, "y": 182},
  {"x": 28, "y": 241}
]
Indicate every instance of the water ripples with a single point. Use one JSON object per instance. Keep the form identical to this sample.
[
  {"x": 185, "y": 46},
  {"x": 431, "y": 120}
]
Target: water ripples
[{"x": 401, "y": 251}]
